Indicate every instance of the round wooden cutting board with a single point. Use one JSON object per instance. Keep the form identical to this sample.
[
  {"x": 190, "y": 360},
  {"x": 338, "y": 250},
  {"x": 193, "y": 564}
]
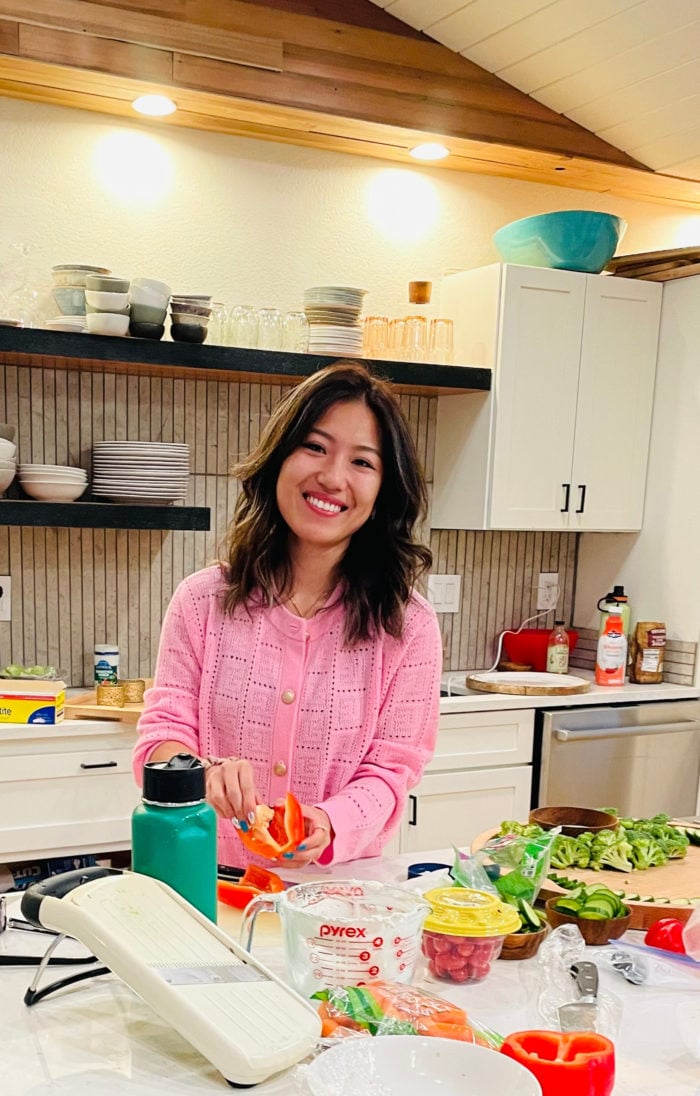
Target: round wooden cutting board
[
  {"x": 673, "y": 880},
  {"x": 528, "y": 683}
]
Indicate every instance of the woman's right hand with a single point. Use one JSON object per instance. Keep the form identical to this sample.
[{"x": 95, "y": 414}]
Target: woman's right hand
[{"x": 231, "y": 791}]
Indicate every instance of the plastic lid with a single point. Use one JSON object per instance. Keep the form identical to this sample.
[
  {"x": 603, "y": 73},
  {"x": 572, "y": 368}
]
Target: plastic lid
[
  {"x": 557, "y": 622},
  {"x": 459, "y": 911},
  {"x": 619, "y": 591},
  {"x": 179, "y": 780}
]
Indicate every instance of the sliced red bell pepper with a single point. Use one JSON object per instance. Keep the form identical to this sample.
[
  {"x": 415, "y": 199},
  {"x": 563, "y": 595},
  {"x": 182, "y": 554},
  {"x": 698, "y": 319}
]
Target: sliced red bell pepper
[
  {"x": 666, "y": 933},
  {"x": 574, "y": 1063},
  {"x": 254, "y": 881},
  {"x": 276, "y": 830}
]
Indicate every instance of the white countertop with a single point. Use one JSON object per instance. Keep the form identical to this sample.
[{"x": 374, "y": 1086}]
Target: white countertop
[
  {"x": 98, "y": 1037},
  {"x": 469, "y": 700}
]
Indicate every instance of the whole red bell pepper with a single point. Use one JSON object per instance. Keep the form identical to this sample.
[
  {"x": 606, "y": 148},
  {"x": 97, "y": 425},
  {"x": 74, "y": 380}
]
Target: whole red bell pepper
[
  {"x": 666, "y": 933},
  {"x": 276, "y": 830},
  {"x": 574, "y": 1063}
]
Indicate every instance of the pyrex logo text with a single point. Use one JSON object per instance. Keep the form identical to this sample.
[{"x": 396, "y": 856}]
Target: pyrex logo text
[{"x": 348, "y": 931}]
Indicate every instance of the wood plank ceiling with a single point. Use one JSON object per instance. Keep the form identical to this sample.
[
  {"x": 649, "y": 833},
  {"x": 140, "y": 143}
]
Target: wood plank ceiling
[
  {"x": 628, "y": 70},
  {"x": 342, "y": 75}
]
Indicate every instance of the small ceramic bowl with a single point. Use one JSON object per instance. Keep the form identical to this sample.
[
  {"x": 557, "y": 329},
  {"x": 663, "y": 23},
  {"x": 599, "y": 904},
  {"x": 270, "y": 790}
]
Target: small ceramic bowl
[
  {"x": 107, "y": 323},
  {"x": 594, "y": 933},
  {"x": 46, "y": 491},
  {"x": 106, "y": 302},
  {"x": 151, "y": 284},
  {"x": 185, "y": 318},
  {"x": 7, "y": 431},
  {"x": 6, "y": 477},
  {"x": 70, "y": 299},
  {"x": 185, "y": 308},
  {"x": 75, "y": 275},
  {"x": 148, "y": 297},
  {"x": 101, "y": 283},
  {"x": 8, "y": 449},
  {"x": 188, "y": 332},
  {"x": 141, "y": 330},
  {"x": 574, "y": 820},
  {"x": 146, "y": 313}
]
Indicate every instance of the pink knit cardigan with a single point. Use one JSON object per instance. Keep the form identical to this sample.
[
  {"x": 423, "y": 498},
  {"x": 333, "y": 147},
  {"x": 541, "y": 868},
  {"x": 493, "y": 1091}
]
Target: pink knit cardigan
[{"x": 346, "y": 728}]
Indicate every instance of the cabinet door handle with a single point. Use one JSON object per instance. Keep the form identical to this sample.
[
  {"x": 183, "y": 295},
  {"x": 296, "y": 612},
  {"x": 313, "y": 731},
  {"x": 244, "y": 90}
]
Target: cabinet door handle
[
  {"x": 413, "y": 807},
  {"x": 98, "y": 765},
  {"x": 567, "y": 492},
  {"x": 582, "y": 498}
]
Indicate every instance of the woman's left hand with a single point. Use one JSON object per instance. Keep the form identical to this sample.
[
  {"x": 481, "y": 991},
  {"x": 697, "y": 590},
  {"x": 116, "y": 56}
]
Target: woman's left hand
[{"x": 319, "y": 835}]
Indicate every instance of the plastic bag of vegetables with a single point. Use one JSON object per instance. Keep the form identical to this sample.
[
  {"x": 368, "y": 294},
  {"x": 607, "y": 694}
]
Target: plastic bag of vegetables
[{"x": 391, "y": 1008}]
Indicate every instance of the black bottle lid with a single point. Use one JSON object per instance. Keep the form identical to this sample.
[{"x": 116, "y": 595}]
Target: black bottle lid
[
  {"x": 558, "y": 622},
  {"x": 179, "y": 780}
]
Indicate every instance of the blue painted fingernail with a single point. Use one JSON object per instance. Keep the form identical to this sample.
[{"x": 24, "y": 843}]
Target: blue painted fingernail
[
  {"x": 288, "y": 855},
  {"x": 243, "y": 824},
  {"x": 301, "y": 848}
]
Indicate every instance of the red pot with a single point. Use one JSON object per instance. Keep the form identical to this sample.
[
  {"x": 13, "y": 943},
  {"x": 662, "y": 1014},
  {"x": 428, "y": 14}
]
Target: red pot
[{"x": 529, "y": 647}]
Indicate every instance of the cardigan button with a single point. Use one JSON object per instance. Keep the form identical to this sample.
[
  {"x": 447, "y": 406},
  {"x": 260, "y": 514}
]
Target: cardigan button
[
  {"x": 279, "y": 768},
  {"x": 288, "y": 696}
]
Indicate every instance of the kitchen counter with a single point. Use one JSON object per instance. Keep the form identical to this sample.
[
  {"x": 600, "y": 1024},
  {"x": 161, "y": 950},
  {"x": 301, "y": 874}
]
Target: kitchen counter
[
  {"x": 469, "y": 700},
  {"x": 99, "y": 1037}
]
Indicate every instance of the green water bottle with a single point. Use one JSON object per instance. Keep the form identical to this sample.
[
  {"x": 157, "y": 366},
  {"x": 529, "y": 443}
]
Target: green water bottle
[{"x": 173, "y": 831}]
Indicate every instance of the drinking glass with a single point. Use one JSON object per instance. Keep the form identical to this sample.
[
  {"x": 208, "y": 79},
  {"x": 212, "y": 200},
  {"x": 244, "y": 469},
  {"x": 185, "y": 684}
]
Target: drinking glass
[
  {"x": 441, "y": 342},
  {"x": 270, "y": 329},
  {"x": 243, "y": 326},
  {"x": 395, "y": 345},
  {"x": 415, "y": 338},
  {"x": 295, "y": 333},
  {"x": 23, "y": 303},
  {"x": 375, "y": 336},
  {"x": 217, "y": 324}
]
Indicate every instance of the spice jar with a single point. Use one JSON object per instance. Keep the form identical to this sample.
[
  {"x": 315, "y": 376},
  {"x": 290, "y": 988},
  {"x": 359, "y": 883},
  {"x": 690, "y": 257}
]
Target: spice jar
[{"x": 465, "y": 932}]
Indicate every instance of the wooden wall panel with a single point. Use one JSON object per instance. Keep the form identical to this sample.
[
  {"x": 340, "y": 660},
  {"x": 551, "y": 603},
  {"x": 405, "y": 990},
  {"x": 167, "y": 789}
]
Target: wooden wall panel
[{"x": 73, "y": 588}]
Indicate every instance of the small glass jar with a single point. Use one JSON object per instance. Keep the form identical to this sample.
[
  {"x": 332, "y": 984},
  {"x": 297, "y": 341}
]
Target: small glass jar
[
  {"x": 134, "y": 688},
  {"x": 464, "y": 934},
  {"x": 111, "y": 695}
]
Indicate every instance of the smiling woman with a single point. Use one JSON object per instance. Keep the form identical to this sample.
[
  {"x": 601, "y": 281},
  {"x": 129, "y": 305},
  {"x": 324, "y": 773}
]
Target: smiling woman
[{"x": 306, "y": 662}]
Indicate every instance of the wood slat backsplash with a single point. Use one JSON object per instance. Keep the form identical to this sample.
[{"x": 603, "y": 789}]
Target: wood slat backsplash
[{"x": 73, "y": 588}]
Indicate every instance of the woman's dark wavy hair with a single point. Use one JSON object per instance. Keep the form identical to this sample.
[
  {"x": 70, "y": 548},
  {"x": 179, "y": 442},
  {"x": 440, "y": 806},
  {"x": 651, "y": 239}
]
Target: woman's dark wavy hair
[{"x": 382, "y": 561}]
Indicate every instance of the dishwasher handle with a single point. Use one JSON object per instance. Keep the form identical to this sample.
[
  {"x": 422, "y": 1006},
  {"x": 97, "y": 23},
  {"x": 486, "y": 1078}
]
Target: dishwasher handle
[{"x": 585, "y": 735}]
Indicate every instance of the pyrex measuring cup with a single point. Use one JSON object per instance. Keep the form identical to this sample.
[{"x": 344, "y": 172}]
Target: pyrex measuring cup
[{"x": 344, "y": 933}]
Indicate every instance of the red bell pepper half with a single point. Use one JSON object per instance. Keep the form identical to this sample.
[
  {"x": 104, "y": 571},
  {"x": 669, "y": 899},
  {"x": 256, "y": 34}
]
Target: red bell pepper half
[
  {"x": 574, "y": 1063},
  {"x": 276, "y": 830},
  {"x": 253, "y": 882},
  {"x": 666, "y": 933}
]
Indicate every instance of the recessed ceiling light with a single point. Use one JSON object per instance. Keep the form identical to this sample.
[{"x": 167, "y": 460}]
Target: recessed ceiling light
[
  {"x": 429, "y": 151},
  {"x": 157, "y": 106}
]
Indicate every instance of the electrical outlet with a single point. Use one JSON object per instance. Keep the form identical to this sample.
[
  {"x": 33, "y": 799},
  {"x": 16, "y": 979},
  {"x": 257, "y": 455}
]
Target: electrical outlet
[
  {"x": 5, "y": 597},
  {"x": 547, "y": 590},
  {"x": 444, "y": 592}
]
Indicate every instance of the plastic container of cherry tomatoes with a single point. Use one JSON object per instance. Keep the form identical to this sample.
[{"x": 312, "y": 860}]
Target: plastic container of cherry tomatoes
[{"x": 464, "y": 934}]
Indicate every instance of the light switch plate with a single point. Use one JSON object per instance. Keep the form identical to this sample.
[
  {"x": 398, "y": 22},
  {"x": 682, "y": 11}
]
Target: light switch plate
[
  {"x": 5, "y": 597},
  {"x": 445, "y": 593}
]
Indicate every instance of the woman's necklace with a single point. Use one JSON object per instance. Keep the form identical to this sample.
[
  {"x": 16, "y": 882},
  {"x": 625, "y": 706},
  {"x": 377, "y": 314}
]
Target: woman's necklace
[{"x": 312, "y": 608}]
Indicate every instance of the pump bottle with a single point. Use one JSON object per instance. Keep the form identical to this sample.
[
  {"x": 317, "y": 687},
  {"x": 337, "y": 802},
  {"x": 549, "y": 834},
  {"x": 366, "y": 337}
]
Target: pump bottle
[{"x": 611, "y": 658}]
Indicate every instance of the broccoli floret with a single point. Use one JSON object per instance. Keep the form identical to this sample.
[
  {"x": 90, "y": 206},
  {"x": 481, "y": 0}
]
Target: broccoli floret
[
  {"x": 617, "y": 856},
  {"x": 563, "y": 852},
  {"x": 643, "y": 851}
]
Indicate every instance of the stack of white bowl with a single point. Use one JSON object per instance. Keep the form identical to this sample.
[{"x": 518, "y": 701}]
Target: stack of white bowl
[
  {"x": 107, "y": 304},
  {"x": 148, "y": 302},
  {"x": 52, "y": 482},
  {"x": 189, "y": 318},
  {"x": 69, "y": 294},
  {"x": 8, "y": 467}
]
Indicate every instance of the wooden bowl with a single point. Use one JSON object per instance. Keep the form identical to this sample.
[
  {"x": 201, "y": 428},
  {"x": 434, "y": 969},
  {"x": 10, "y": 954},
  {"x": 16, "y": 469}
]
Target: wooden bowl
[
  {"x": 595, "y": 933},
  {"x": 574, "y": 820},
  {"x": 522, "y": 945}
]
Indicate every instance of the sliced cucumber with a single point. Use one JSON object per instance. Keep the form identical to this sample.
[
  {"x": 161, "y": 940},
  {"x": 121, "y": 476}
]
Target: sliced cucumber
[{"x": 530, "y": 916}]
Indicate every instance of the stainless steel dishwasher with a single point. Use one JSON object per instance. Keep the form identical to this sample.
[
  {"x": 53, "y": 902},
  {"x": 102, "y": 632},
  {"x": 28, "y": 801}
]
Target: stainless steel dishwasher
[{"x": 638, "y": 758}]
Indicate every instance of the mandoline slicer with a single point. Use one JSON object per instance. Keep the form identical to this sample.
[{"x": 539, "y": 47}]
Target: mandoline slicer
[{"x": 238, "y": 1014}]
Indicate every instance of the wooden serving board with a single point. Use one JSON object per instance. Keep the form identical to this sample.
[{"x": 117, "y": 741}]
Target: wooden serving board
[
  {"x": 676, "y": 879},
  {"x": 528, "y": 684},
  {"x": 85, "y": 706}
]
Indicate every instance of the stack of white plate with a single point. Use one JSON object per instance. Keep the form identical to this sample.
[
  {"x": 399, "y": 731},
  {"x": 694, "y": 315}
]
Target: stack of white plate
[
  {"x": 52, "y": 482},
  {"x": 333, "y": 312},
  {"x": 140, "y": 471},
  {"x": 76, "y": 324}
]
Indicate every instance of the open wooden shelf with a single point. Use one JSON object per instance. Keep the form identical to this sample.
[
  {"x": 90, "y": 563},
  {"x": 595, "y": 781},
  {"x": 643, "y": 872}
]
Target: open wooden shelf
[
  {"x": 103, "y": 515},
  {"x": 103, "y": 353}
]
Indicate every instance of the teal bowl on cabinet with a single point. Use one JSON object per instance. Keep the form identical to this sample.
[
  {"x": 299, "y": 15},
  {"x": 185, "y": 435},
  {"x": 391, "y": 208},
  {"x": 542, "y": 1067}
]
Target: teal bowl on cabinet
[
  {"x": 572, "y": 239},
  {"x": 70, "y": 300}
]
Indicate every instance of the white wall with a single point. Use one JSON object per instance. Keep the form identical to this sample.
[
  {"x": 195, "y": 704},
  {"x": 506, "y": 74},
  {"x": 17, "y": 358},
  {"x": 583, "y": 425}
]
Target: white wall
[
  {"x": 256, "y": 222},
  {"x": 660, "y": 567}
]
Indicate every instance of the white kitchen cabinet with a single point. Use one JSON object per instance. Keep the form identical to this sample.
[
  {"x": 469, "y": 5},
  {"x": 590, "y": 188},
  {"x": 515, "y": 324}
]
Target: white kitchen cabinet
[
  {"x": 562, "y": 440},
  {"x": 480, "y": 774},
  {"x": 65, "y": 790}
]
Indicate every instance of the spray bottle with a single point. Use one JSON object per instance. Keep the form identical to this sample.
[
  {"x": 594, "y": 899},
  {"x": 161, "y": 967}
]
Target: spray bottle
[
  {"x": 611, "y": 659},
  {"x": 615, "y": 602}
]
